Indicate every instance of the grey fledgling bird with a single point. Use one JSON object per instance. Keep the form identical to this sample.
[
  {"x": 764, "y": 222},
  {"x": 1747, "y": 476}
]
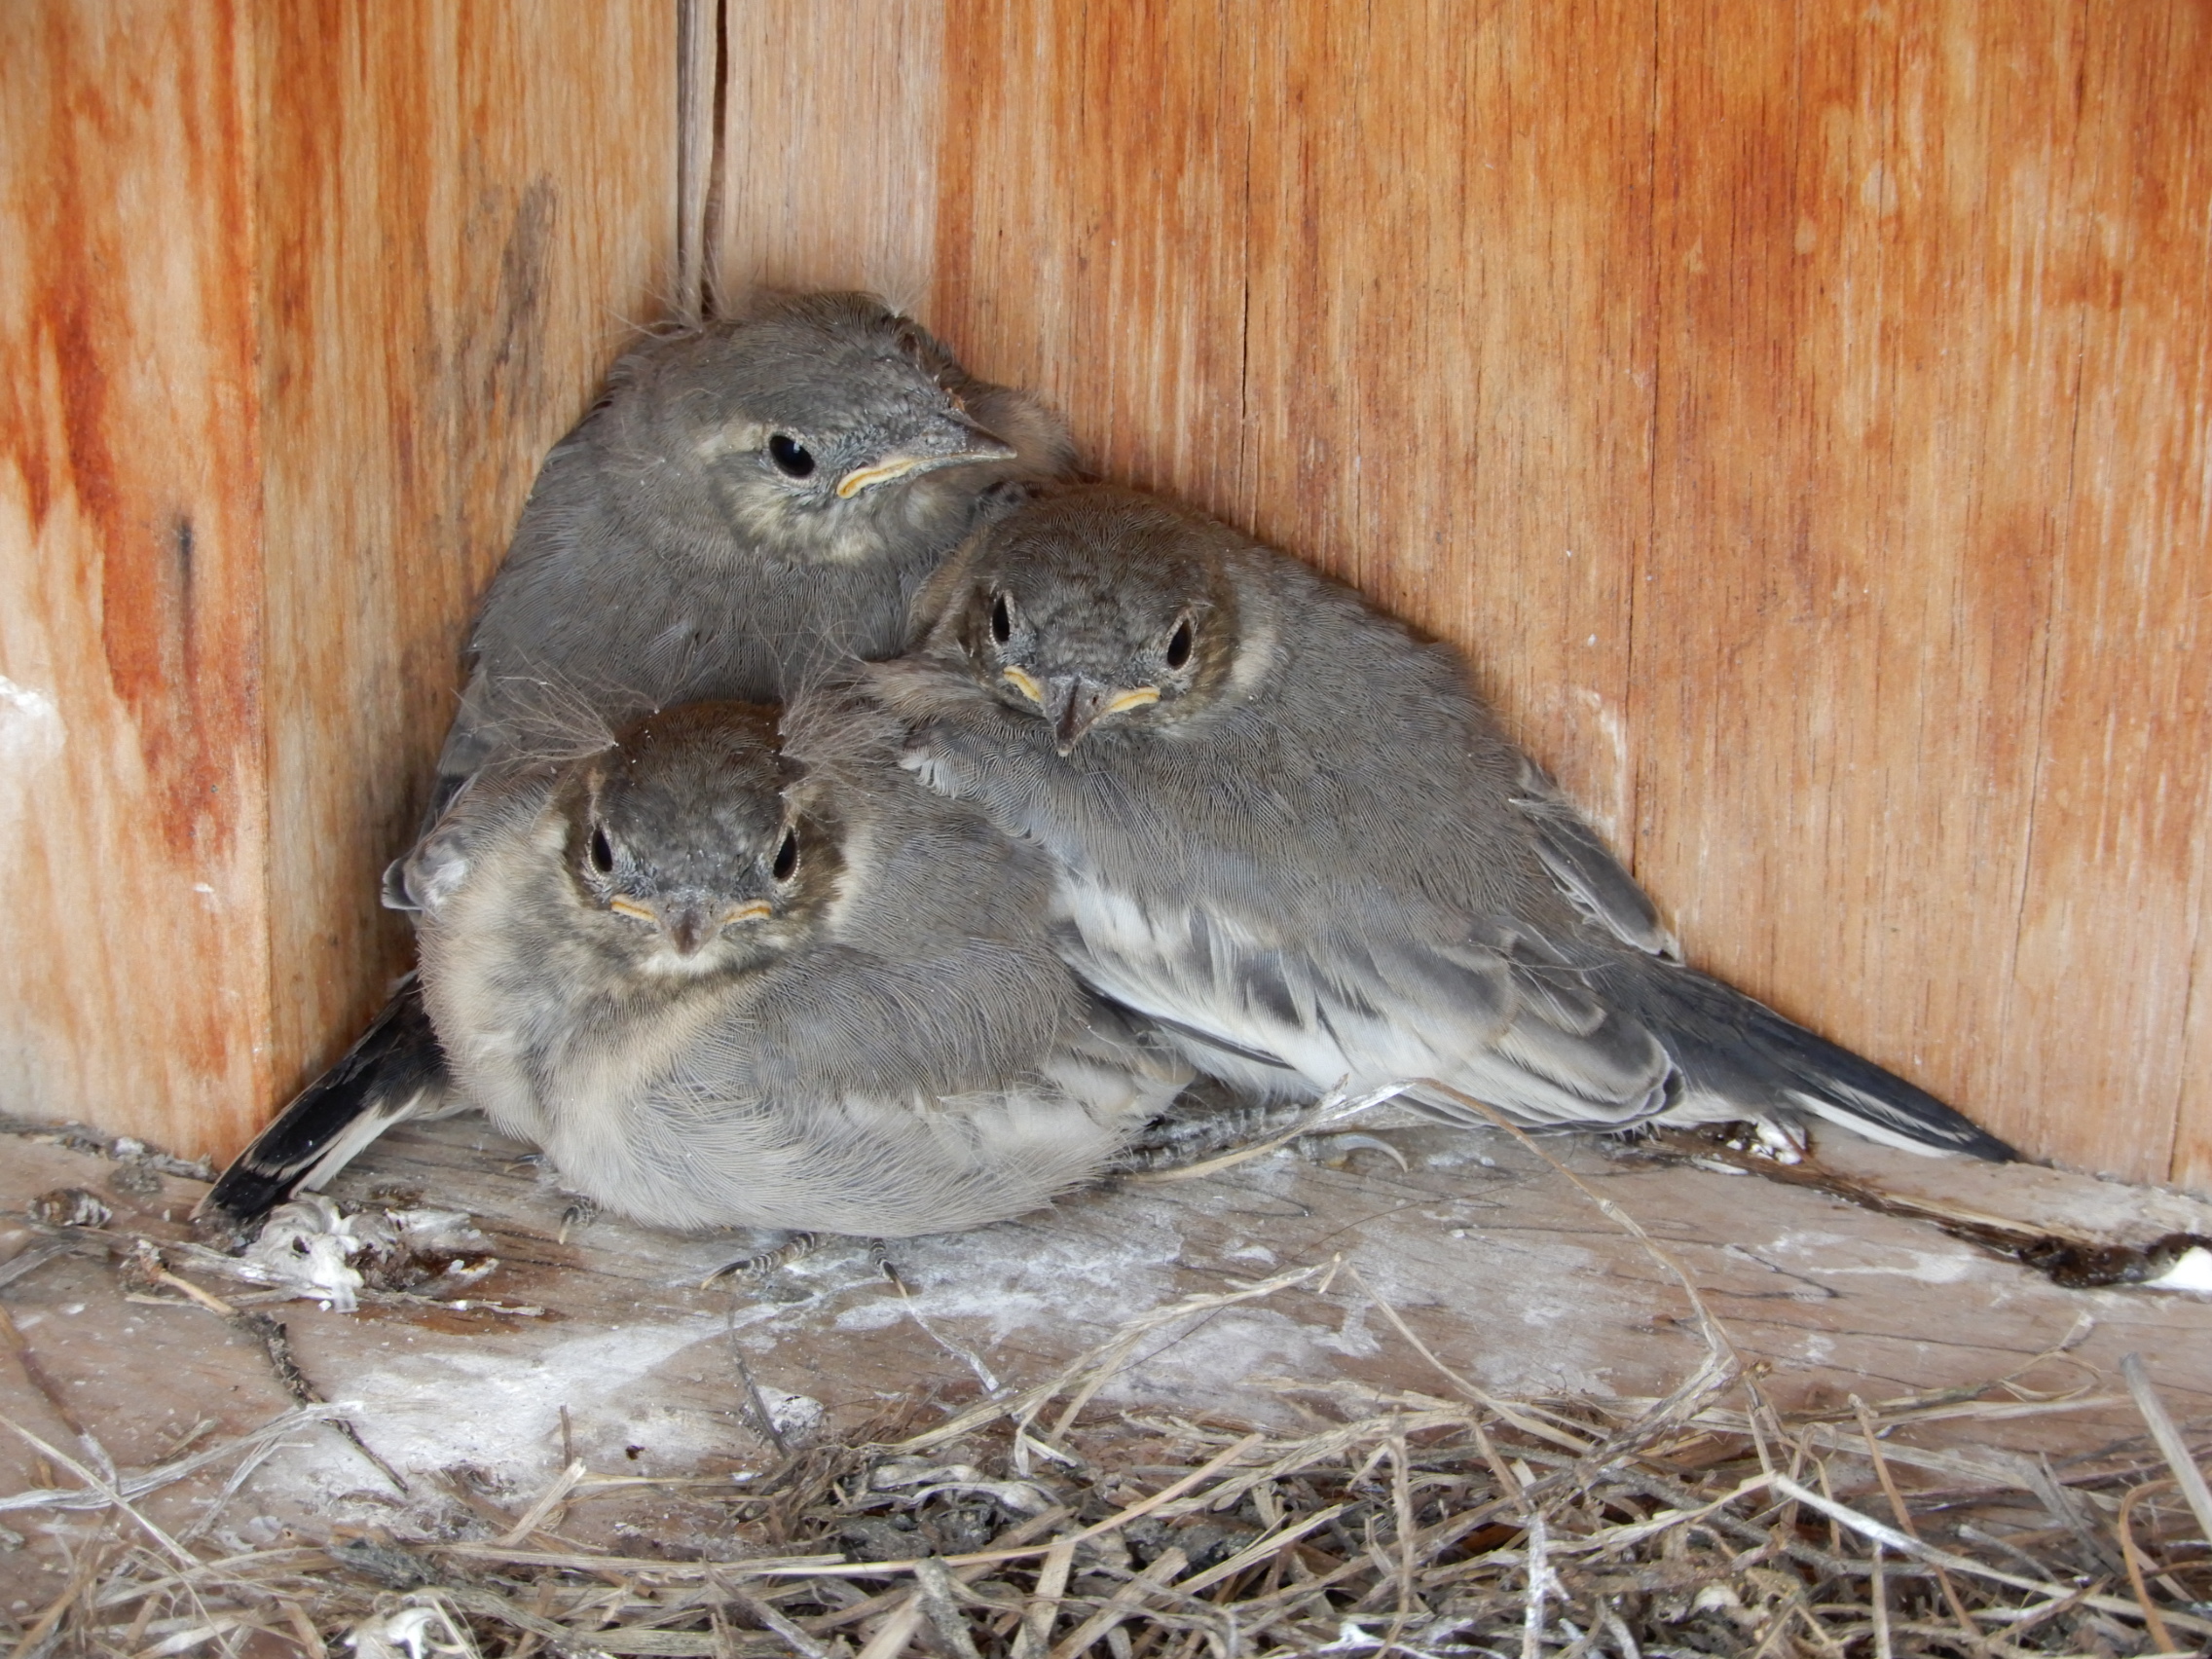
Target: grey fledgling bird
[
  {"x": 726, "y": 981},
  {"x": 746, "y": 507},
  {"x": 746, "y": 504},
  {"x": 1289, "y": 830}
]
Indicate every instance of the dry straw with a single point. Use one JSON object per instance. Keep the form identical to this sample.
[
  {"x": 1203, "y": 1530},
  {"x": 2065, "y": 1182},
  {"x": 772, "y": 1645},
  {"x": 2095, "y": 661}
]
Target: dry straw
[{"x": 1036, "y": 1523}]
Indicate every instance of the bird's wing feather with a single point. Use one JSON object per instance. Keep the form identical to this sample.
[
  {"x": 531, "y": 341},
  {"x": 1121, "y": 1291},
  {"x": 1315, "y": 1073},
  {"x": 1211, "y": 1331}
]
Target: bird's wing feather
[
  {"x": 488, "y": 805},
  {"x": 1586, "y": 870},
  {"x": 1499, "y": 1019}
]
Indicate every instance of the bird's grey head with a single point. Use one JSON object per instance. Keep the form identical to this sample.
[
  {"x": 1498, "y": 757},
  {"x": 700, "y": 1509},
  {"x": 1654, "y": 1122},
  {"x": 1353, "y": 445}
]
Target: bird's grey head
[
  {"x": 684, "y": 848},
  {"x": 1096, "y": 610},
  {"x": 814, "y": 422}
]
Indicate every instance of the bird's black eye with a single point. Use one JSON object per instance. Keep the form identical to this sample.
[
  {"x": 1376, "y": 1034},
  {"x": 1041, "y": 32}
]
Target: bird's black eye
[
  {"x": 1179, "y": 645},
  {"x": 602, "y": 851},
  {"x": 787, "y": 856},
  {"x": 792, "y": 459},
  {"x": 1002, "y": 619}
]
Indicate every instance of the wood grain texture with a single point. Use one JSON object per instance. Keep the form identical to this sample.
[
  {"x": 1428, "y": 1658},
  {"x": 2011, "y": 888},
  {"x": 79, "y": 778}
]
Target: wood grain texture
[
  {"x": 469, "y": 209},
  {"x": 133, "y": 961},
  {"x": 828, "y": 145},
  {"x": 306, "y": 292},
  {"x": 1919, "y": 767},
  {"x": 2115, "y": 920},
  {"x": 698, "y": 53},
  {"x": 1799, "y": 412}
]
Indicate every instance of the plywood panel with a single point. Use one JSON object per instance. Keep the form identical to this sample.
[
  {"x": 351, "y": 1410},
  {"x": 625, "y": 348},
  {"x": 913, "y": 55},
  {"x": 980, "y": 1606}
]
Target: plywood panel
[
  {"x": 1799, "y": 412},
  {"x": 1859, "y": 397},
  {"x": 469, "y": 209},
  {"x": 1449, "y": 339},
  {"x": 2116, "y": 919},
  {"x": 134, "y": 945},
  {"x": 306, "y": 291}
]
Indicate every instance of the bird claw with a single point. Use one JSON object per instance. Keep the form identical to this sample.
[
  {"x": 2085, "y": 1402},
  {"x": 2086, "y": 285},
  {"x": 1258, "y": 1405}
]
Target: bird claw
[
  {"x": 797, "y": 1247},
  {"x": 1334, "y": 1152},
  {"x": 879, "y": 1253},
  {"x": 580, "y": 1214}
]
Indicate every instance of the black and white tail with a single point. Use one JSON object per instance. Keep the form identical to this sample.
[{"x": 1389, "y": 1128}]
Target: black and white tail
[
  {"x": 394, "y": 1072},
  {"x": 1740, "y": 1059}
]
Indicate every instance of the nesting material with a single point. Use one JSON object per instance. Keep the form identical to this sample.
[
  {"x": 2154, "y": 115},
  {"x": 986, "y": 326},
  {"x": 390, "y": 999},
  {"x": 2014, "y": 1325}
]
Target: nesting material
[
  {"x": 1041, "y": 1521},
  {"x": 1445, "y": 1522}
]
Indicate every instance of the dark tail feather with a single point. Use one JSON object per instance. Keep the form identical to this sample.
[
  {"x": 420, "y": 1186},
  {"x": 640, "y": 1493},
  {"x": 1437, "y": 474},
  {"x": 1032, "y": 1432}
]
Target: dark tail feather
[
  {"x": 395, "y": 1071},
  {"x": 1737, "y": 1049}
]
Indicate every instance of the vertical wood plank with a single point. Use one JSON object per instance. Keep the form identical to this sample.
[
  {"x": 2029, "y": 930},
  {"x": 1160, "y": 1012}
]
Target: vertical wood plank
[
  {"x": 134, "y": 967},
  {"x": 828, "y": 160},
  {"x": 470, "y": 208},
  {"x": 1882, "y": 297},
  {"x": 1449, "y": 346},
  {"x": 1095, "y": 233},
  {"x": 698, "y": 50},
  {"x": 1800, "y": 412},
  {"x": 2116, "y": 918}
]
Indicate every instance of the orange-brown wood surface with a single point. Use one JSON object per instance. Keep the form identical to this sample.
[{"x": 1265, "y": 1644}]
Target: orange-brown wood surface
[
  {"x": 295, "y": 297},
  {"x": 1799, "y": 411},
  {"x": 134, "y": 967},
  {"x": 828, "y": 145}
]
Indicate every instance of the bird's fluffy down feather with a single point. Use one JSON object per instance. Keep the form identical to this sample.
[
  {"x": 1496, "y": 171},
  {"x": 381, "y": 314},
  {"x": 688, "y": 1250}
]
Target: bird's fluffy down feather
[
  {"x": 664, "y": 558},
  {"x": 908, "y": 1056}
]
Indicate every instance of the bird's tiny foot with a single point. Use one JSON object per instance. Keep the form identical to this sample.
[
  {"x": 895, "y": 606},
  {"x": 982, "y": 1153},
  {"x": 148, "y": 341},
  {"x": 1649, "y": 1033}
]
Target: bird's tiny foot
[
  {"x": 1785, "y": 1143},
  {"x": 879, "y": 1254},
  {"x": 580, "y": 1214},
  {"x": 1205, "y": 1122},
  {"x": 797, "y": 1247},
  {"x": 1782, "y": 1142}
]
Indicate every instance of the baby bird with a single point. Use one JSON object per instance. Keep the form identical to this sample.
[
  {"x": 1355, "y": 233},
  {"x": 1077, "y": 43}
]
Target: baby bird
[
  {"x": 1288, "y": 830},
  {"x": 747, "y": 504},
  {"x": 726, "y": 981}
]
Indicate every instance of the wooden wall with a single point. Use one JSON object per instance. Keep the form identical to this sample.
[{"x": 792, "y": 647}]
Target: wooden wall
[
  {"x": 1799, "y": 410},
  {"x": 135, "y": 969},
  {"x": 296, "y": 294}
]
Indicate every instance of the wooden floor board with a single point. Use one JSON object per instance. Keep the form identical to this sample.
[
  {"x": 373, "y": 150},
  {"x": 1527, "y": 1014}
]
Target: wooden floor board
[{"x": 1511, "y": 1278}]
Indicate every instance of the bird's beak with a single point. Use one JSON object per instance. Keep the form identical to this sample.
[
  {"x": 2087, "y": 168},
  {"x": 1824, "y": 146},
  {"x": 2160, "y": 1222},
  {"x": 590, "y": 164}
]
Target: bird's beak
[
  {"x": 950, "y": 441},
  {"x": 760, "y": 910},
  {"x": 1072, "y": 704},
  {"x": 689, "y": 929}
]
